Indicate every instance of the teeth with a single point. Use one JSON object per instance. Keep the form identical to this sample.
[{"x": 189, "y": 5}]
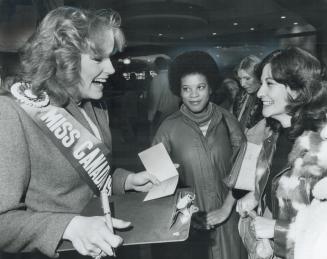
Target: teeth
[
  {"x": 100, "y": 80},
  {"x": 268, "y": 102}
]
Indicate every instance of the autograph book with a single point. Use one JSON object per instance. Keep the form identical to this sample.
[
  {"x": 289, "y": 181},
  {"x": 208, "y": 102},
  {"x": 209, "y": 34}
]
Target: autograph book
[{"x": 152, "y": 221}]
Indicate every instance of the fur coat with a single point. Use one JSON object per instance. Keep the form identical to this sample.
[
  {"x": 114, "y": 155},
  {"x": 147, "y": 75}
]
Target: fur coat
[{"x": 302, "y": 194}]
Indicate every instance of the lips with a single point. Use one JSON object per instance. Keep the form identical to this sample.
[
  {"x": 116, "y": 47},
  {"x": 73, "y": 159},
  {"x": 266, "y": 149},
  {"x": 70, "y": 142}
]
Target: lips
[{"x": 195, "y": 102}]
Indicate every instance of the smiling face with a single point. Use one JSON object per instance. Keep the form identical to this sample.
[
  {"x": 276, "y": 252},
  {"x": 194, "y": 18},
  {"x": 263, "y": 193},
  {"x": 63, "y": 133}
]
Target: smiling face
[
  {"x": 274, "y": 97},
  {"x": 247, "y": 81},
  {"x": 195, "y": 92},
  {"x": 95, "y": 72}
]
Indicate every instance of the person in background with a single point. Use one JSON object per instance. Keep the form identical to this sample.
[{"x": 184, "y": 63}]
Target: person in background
[
  {"x": 202, "y": 138},
  {"x": 247, "y": 107},
  {"x": 55, "y": 151},
  {"x": 295, "y": 100},
  {"x": 225, "y": 95},
  {"x": 162, "y": 102}
]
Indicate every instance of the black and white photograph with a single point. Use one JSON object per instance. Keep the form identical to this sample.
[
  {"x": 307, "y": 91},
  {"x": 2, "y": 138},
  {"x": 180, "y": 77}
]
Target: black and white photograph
[{"x": 163, "y": 129}]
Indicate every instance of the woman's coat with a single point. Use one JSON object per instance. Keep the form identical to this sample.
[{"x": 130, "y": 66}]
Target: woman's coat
[{"x": 205, "y": 161}]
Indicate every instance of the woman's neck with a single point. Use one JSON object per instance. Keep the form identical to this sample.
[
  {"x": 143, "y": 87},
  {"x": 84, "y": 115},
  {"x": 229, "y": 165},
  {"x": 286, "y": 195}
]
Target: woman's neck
[{"x": 284, "y": 119}]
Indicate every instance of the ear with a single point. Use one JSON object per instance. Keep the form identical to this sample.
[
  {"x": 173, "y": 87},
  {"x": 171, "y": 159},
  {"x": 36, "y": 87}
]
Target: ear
[{"x": 294, "y": 94}]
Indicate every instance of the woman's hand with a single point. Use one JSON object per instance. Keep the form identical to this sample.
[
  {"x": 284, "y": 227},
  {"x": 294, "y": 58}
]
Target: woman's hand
[
  {"x": 141, "y": 182},
  {"x": 216, "y": 217},
  {"x": 246, "y": 204},
  {"x": 199, "y": 221},
  {"x": 90, "y": 235},
  {"x": 264, "y": 227}
]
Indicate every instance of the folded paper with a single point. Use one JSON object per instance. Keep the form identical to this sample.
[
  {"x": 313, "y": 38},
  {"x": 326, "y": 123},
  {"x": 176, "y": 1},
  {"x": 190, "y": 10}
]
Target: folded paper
[
  {"x": 156, "y": 161},
  {"x": 246, "y": 177}
]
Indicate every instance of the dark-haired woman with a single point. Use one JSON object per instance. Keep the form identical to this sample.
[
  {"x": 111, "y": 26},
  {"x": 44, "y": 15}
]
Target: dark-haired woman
[
  {"x": 295, "y": 99},
  {"x": 55, "y": 139},
  {"x": 203, "y": 138}
]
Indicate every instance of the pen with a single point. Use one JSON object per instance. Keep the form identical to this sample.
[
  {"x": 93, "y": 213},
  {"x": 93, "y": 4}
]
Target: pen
[{"x": 107, "y": 213}]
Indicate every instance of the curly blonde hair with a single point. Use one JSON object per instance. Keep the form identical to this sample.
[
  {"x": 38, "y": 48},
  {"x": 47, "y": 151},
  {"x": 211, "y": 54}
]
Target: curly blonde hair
[{"x": 51, "y": 59}]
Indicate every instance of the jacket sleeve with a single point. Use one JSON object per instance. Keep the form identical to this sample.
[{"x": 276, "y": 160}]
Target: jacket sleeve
[
  {"x": 118, "y": 180},
  {"x": 21, "y": 228},
  {"x": 236, "y": 134},
  {"x": 238, "y": 142},
  {"x": 281, "y": 243}
]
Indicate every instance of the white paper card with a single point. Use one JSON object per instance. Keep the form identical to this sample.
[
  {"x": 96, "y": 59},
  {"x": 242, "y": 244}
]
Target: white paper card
[
  {"x": 165, "y": 188},
  {"x": 156, "y": 161},
  {"x": 246, "y": 176}
]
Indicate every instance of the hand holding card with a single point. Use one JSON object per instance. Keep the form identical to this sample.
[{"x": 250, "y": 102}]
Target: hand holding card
[{"x": 156, "y": 161}]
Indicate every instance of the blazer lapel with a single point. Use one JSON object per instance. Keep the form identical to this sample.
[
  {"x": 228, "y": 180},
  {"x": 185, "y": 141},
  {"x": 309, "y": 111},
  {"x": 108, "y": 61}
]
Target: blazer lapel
[{"x": 74, "y": 110}]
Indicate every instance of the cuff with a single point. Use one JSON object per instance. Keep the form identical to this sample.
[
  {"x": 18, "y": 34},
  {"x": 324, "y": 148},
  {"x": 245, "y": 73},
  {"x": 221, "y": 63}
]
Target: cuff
[
  {"x": 118, "y": 180},
  {"x": 54, "y": 233},
  {"x": 280, "y": 238}
]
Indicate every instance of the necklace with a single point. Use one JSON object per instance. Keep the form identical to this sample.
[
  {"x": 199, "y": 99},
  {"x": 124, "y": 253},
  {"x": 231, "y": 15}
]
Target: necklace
[{"x": 23, "y": 93}]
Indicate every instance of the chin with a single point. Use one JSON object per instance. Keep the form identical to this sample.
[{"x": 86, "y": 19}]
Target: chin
[
  {"x": 97, "y": 96},
  {"x": 266, "y": 114}
]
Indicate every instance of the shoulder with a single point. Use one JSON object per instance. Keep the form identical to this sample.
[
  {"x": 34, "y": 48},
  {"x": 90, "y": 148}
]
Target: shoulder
[
  {"x": 173, "y": 118},
  {"x": 9, "y": 109},
  {"x": 259, "y": 132},
  {"x": 228, "y": 117},
  {"x": 225, "y": 113},
  {"x": 171, "y": 124},
  {"x": 234, "y": 128},
  {"x": 310, "y": 151}
]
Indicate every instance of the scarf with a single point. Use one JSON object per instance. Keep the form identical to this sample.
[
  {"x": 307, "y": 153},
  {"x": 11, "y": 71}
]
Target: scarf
[{"x": 199, "y": 118}]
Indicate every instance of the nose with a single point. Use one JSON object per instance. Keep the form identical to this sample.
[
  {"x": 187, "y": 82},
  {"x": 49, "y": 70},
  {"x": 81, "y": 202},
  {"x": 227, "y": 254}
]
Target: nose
[
  {"x": 242, "y": 82},
  {"x": 194, "y": 93},
  {"x": 108, "y": 67},
  {"x": 260, "y": 92}
]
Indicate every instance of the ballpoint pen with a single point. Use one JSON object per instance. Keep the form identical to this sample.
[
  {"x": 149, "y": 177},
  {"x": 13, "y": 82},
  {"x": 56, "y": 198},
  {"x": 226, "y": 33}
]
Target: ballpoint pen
[{"x": 107, "y": 213}]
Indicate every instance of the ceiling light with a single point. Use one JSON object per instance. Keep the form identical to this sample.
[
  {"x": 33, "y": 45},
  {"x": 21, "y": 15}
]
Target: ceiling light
[
  {"x": 235, "y": 23},
  {"x": 160, "y": 34},
  {"x": 283, "y": 17},
  {"x": 251, "y": 29},
  {"x": 126, "y": 61},
  {"x": 295, "y": 23},
  {"x": 214, "y": 33},
  {"x": 182, "y": 38}
]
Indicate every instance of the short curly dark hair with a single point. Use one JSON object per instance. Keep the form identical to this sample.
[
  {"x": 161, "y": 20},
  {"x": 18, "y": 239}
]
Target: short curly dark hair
[{"x": 193, "y": 62}]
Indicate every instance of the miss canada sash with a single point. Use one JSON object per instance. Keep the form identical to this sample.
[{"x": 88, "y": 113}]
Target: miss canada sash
[{"x": 87, "y": 154}]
